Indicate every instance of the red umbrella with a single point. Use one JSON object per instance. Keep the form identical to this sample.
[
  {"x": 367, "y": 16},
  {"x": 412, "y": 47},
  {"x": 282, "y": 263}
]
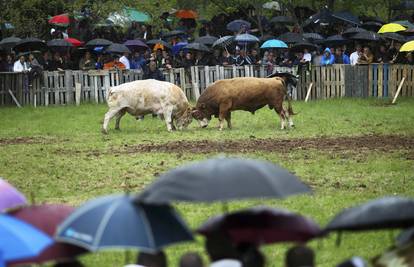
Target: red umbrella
[
  {"x": 262, "y": 225},
  {"x": 74, "y": 41},
  {"x": 46, "y": 218},
  {"x": 186, "y": 14},
  {"x": 60, "y": 20}
]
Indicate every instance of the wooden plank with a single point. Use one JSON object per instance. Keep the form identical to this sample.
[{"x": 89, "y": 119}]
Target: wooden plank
[
  {"x": 68, "y": 87},
  {"x": 14, "y": 99},
  {"x": 207, "y": 75},
  {"x": 380, "y": 86},
  {"x": 398, "y": 90}
]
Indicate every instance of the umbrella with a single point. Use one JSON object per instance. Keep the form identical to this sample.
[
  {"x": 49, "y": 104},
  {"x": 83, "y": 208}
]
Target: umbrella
[
  {"x": 223, "y": 179},
  {"x": 46, "y": 218},
  {"x": 236, "y": 25},
  {"x": 404, "y": 5},
  {"x": 272, "y": 5},
  {"x": 197, "y": 47},
  {"x": 224, "y": 41},
  {"x": 372, "y": 25},
  {"x": 291, "y": 37},
  {"x": 135, "y": 44},
  {"x": 274, "y": 44},
  {"x": 62, "y": 20},
  {"x": 206, "y": 40},
  {"x": 186, "y": 14},
  {"x": 30, "y": 44},
  {"x": 177, "y": 47},
  {"x": 366, "y": 36},
  {"x": 98, "y": 42},
  {"x": 20, "y": 240},
  {"x": 404, "y": 23},
  {"x": 10, "y": 197},
  {"x": 9, "y": 42},
  {"x": 312, "y": 36},
  {"x": 335, "y": 40},
  {"x": 59, "y": 43},
  {"x": 159, "y": 41},
  {"x": 283, "y": 20},
  {"x": 407, "y": 47},
  {"x": 127, "y": 16},
  {"x": 383, "y": 213},
  {"x": 74, "y": 42},
  {"x": 115, "y": 221},
  {"x": 353, "y": 30},
  {"x": 246, "y": 38},
  {"x": 299, "y": 47},
  {"x": 266, "y": 37},
  {"x": 405, "y": 236},
  {"x": 173, "y": 34},
  {"x": 117, "y": 49},
  {"x": 262, "y": 225},
  {"x": 392, "y": 27},
  {"x": 394, "y": 36},
  {"x": 347, "y": 17}
]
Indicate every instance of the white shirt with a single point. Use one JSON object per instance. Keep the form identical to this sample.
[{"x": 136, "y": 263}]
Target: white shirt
[
  {"x": 124, "y": 60},
  {"x": 354, "y": 58},
  {"x": 307, "y": 57},
  {"x": 19, "y": 67},
  {"x": 226, "y": 263}
]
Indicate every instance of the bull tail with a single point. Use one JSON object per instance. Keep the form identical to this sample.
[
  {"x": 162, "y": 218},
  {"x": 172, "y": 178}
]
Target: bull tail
[{"x": 290, "y": 110}]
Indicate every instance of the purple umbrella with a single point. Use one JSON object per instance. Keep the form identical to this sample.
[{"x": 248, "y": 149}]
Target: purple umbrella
[
  {"x": 177, "y": 47},
  {"x": 10, "y": 197},
  {"x": 135, "y": 44},
  {"x": 262, "y": 225}
]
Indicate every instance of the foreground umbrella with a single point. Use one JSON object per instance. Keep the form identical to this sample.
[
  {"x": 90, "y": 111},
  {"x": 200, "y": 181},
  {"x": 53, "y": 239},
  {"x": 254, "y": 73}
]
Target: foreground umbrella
[
  {"x": 312, "y": 36},
  {"x": 353, "y": 30},
  {"x": 186, "y": 14},
  {"x": 74, "y": 42},
  {"x": 117, "y": 49},
  {"x": 206, "y": 40},
  {"x": 9, "y": 42},
  {"x": 262, "y": 225},
  {"x": 394, "y": 36},
  {"x": 159, "y": 41},
  {"x": 10, "y": 197},
  {"x": 406, "y": 236},
  {"x": 224, "y": 41},
  {"x": 291, "y": 37},
  {"x": 197, "y": 47},
  {"x": 20, "y": 240},
  {"x": 59, "y": 43},
  {"x": 98, "y": 42},
  {"x": 366, "y": 36},
  {"x": 383, "y": 213},
  {"x": 300, "y": 47},
  {"x": 116, "y": 222},
  {"x": 46, "y": 218},
  {"x": 407, "y": 47},
  {"x": 135, "y": 44},
  {"x": 392, "y": 27},
  {"x": 236, "y": 25},
  {"x": 274, "y": 44},
  {"x": 30, "y": 44},
  {"x": 283, "y": 20},
  {"x": 223, "y": 179},
  {"x": 62, "y": 20},
  {"x": 246, "y": 38}
]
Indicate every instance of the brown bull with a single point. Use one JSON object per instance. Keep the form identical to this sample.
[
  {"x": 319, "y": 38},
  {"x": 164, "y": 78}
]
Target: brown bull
[{"x": 248, "y": 93}]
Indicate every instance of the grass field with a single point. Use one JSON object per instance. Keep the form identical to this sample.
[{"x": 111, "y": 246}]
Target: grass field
[{"x": 58, "y": 155}]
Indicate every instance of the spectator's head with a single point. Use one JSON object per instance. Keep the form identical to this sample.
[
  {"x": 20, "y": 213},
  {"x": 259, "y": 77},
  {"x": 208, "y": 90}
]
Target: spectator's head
[
  {"x": 143, "y": 28},
  {"x": 22, "y": 59},
  {"x": 382, "y": 49},
  {"x": 270, "y": 56},
  {"x": 189, "y": 56},
  {"x": 56, "y": 56},
  {"x": 243, "y": 53},
  {"x": 126, "y": 54},
  {"x": 338, "y": 51},
  {"x": 159, "y": 52},
  {"x": 88, "y": 55},
  {"x": 165, "y": 54},
  {"x": 152, "y": 65},
  {"x": 157, "y": 259},
  {"x": 410, "y": 57},
  {"x": 305, "y": 51},
  {"x": 358, "y": 48},
  {"x": 9, "y": 58},
  {"x": 254, "y": 52},
  {"x": 252, "y": 257},
  {"x": 300, "y": 256},
  {"x": 219, "y": 247},
  {"x": 115, "y": 58},
  {"x": 327, "y": 52},
  {"x": 237, "y": 52},
  {"x": 367, "y": 50},
  {"x": 191, "y": 259},
  {"x": 397, "y": 45},
  {"x": 181, "y": 53},
  {"x": 299, "y": 55}
]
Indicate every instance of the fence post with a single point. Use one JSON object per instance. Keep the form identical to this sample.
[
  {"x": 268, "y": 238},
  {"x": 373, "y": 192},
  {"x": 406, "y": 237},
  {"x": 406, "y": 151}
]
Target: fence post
[
  {"x": 207, "y": 75},
  {"x": 194, "y": 82},
  {"x": 95, "y": 88}
]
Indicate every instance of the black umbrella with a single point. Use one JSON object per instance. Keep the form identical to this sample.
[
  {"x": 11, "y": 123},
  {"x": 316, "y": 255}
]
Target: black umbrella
[
  {"x": 335, "y": 40},
  {"x": 117, "y": 49},
  {"x": 197, "y": 47},
  {"x": 9, "y": 42},
  {"x": 366, "y": 36},
  {"x": 372, "y": 25},
  {"x": 394, "y": 36},
  {"x": 172, "y": 34},
  {"x": 404, "y": 5},
  {"x": 223, "y": 179},
  {"x": 98, "y": 42},
  {"x": 30, "y": 44},
  {"x": 405, "y": 236},
  {"x": 262, "y": 225},
  {"x": 347, "y": 17},
  {"x": 224, "y": 41},
  {"x": 135, "y": 44},
  {"x": 159, "y": 41},
  {"x": 291, "y": 37},
  {"x": 383, "y": 213},
  {"x": 299, "y": 47},
  {"x": 237, "y": 24},
  {"x": 312, "y": 36},
  {"x": 206, "y": 40},
  {"x": 283, "y": 20},
  {"x": 59, "y": 43},
  {"x": 351, "y": 31}
]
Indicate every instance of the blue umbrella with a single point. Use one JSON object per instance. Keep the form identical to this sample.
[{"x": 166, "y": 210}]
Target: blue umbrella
[
  {"x": 274, "y": 44},
  {"x": 237, "y": 24},
  {"x": 246, "y": 38},
  {"x": 114, "y": 221},
  {"x": 135, "y": 44},
  {"x": 20, "y": 240},
  {"x": 177, "y": 47}
]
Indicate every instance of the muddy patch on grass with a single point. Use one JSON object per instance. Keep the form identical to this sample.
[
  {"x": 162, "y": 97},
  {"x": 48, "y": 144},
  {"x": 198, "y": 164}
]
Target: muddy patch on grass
[
  {"x": 21, "y": 141},
  {"x": 357, "y": 144}
]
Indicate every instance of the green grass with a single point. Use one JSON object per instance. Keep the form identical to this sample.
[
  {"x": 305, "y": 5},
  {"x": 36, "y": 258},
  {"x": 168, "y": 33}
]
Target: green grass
[{"x": 60, "y": 168}]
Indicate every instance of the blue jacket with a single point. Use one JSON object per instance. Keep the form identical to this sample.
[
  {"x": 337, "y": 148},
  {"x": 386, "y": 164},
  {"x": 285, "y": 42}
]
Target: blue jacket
[{"x": 327, "y": 60}]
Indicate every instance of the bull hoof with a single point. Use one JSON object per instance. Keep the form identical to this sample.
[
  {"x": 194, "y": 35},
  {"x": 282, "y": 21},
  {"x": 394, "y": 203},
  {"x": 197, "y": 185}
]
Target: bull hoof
[
  {"x": 118, "y": 129},
  {"x": 104, "y": 131}
]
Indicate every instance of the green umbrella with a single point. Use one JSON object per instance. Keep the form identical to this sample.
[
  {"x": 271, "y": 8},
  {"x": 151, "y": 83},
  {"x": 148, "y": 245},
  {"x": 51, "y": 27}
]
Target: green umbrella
[{"x": 128, "y": 15}]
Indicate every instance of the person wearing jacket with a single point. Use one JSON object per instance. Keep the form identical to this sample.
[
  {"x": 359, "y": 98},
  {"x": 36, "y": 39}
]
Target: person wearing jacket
[
  {"x": 340, "y": 57},
  {"x": 327, "y": 58}
]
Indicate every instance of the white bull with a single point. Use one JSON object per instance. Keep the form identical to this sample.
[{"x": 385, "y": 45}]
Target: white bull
[{"x": 148, "y": 96}]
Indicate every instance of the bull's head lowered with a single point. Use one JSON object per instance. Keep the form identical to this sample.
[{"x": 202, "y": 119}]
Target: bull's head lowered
[
  {"x": 201, "y": 114},
  {"x": 184, "y": 119}
]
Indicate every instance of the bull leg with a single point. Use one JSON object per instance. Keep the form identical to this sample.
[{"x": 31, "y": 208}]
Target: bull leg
[
  {"x": 168, "y": 118},
  {"x": 280, "y": 110},
  {"x": 224, "y": 113},
  {"x": 228, "y": 119},
  {"x": 119, "y": 116},
  {"x": 108, "y": 116}
]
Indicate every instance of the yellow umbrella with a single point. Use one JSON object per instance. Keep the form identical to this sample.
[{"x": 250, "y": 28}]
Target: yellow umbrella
[
  {"x": 407, "y": 47},
  {"x": 391, "y": 27}
]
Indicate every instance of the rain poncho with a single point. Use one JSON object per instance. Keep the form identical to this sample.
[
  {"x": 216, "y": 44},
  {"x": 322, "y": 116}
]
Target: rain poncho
[{"x": 327, "y": 60}]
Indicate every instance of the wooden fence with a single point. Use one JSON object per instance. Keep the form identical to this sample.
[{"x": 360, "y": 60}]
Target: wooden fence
[{"x": 68, "y": 87}]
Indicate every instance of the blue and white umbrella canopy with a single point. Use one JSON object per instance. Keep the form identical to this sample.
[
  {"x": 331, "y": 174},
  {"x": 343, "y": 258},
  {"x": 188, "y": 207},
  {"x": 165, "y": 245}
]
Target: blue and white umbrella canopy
[
  {"x": 274, "y": 44},
  {"x": 246, "y": 38},
  {"x": 114, "y": 221},
  {"x": 19, "y": 240},
  {"x": 224, "y": 41}
]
